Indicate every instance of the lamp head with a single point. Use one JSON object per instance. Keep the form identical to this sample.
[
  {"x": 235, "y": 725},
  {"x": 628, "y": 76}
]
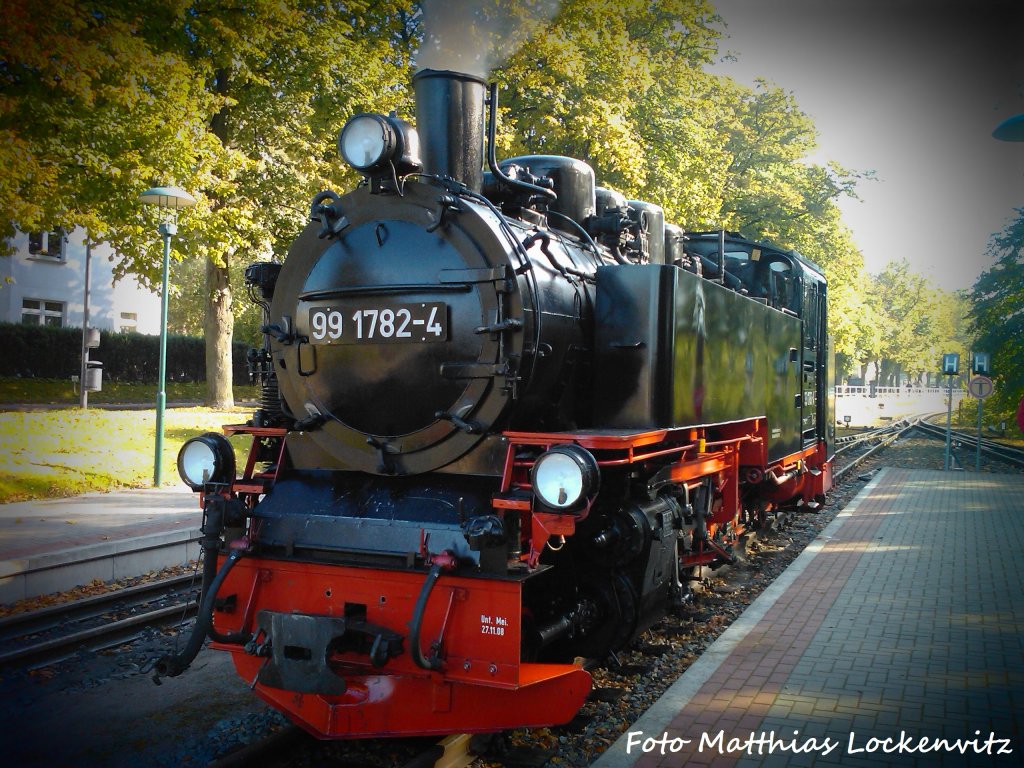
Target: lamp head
[
  {"x": 174, "y": 198},
  {"x": 1011, "y": 129},
  {"x": 170, "y": 200}
]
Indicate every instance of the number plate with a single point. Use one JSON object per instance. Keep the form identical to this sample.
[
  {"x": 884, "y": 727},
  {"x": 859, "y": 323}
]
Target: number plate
[{"x": 379, "y": 323}]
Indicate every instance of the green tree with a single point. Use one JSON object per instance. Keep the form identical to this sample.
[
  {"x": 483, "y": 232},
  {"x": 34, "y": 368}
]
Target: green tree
[
  {"x": 905, "y": 323},
  {"x": 187, "y": 310},
  {"x": 240, "y": 104},
  {"x": 997, "y": 314},
  {"x": 852, "y": 320},
  {"x": 915, "y": 324},
  {"x": 950, "y": 331},
  {"x": 621, "y": 86},
  {"x": 770, "y": 188},
  {"x": 90, "y": 113}
]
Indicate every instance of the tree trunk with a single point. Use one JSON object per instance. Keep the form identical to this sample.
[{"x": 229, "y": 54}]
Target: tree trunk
[
  {"x": 885, "y": 373},
  {"x": 219, "y": 328},
  {"x": 220, "y": 323}
]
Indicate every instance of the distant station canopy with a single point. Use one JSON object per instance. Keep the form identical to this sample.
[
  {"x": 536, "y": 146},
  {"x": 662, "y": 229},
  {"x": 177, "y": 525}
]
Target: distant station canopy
[{"x": 1011, "y": 129}]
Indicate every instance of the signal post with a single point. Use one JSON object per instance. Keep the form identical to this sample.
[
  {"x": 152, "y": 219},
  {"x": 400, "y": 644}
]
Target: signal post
[
  {"x": 980, "y": 387},
  {"x": 950, "y": 368}
]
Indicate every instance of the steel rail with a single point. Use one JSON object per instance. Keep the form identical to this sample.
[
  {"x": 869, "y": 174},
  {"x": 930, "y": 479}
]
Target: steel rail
[
  {"x": 854, "y": 441},
  {"x": 849, "y": 441},
  {"x": 51, "y": 616},
  {"x": 883, "y": 443},
  {"x": 18, "y": 631},
  {"x": 113, "y": 633},
  {"x": 993, "y": 448}
]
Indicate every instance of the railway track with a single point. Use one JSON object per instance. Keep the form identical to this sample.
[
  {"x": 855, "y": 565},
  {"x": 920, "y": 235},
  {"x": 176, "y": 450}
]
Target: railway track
[
  {"x": 622, "y": 690},
  {"x": 992, "y": 448},
  {"x": 95, "y": 623},
  {"x": 868, "y": 444}
]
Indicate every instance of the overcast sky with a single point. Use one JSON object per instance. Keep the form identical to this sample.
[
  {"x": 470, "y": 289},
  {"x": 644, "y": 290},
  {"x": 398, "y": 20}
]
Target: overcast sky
[{"x": 911, "y": 89}]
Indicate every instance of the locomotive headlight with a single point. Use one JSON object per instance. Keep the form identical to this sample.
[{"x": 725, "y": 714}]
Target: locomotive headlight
[
  {"x": 371, "y": 142},
  {"x": 208, "y": 458},
  {"x": 565, "y": 477},
  {"x": 366, "y": 141}
]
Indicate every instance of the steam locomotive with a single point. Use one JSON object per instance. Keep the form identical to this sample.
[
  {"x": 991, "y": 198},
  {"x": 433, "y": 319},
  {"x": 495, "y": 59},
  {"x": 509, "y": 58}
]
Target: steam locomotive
[{"x": 505, "y": 418}]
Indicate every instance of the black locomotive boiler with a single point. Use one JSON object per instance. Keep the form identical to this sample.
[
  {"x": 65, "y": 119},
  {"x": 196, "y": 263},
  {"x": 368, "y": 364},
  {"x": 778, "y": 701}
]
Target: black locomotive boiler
[{"x": 505, "y": 417}]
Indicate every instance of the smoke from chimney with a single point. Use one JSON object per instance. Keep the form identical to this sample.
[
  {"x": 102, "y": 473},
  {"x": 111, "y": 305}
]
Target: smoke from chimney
[
  {"x": 462, "y": 41},
  {"x": 475, "y": 36}
]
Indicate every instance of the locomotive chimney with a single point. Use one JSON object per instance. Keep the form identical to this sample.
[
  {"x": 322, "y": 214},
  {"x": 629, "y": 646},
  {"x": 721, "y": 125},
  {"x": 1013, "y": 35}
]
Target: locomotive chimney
[{"x": 450, "y": 124}]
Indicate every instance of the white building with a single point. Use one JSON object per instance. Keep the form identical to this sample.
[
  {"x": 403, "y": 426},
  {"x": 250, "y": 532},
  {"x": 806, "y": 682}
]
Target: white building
[{"x": 44, "y": 283}]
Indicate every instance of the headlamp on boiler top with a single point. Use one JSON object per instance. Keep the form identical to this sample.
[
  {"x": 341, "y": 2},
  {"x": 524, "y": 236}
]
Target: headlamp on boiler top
[{"x": 371, "y": 143}]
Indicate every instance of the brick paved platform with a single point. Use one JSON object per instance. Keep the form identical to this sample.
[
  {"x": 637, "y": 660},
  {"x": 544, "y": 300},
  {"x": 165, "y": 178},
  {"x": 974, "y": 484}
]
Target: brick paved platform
[
  {"x": 900, "y": 626},
  {"x": 56, "y": 544}
]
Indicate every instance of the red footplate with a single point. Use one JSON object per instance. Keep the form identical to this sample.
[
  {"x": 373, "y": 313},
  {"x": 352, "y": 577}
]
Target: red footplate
[{"x": 321, "y": 670}]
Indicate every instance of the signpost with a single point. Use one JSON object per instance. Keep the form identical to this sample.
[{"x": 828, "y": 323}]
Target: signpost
[
  {"x": 950, "y": 368},
  {"x": 979, "y": 387}
]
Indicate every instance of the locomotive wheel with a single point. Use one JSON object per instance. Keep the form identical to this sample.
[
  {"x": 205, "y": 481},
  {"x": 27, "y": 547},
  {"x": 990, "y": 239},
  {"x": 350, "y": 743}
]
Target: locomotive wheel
[{"x": 621, "y": 605}]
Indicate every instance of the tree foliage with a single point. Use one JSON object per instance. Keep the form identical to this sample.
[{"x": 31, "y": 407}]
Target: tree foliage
[
  {"x": 238, "y": 103},
  {"x": 910, "y": 326},
  {"x": 90, "y": 112},
  {"x": 623, "y": 86},
  {"x": 620, "y": 86},
  {"x": 997, "y": 313},
  {"x": 241, "y": 105}
]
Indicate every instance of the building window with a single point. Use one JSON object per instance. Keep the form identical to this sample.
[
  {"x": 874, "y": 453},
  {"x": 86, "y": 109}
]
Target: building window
[
  {"x": 129, "y": 322},
  {"x": 42, "y": 312},
  {"x": 48, "y": 246}
]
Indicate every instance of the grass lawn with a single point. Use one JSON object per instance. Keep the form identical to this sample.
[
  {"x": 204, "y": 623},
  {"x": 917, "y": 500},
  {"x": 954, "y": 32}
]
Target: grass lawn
[
  {"x": 63, "y": 392},
  {"x": 63, "y": 452}
]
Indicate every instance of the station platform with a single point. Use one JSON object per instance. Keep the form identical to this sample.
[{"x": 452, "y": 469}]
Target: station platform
[
  {"x": 895, "y": 639},
  {"x": 54, "y": 545}
]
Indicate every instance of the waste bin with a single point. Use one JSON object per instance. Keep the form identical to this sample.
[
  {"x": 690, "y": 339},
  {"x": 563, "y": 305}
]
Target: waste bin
[{"x": 93, "y": 376}]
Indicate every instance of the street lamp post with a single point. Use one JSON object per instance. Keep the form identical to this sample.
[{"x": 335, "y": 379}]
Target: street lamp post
[
  {"x": 83, "y": 398},
  {"x": 170, "y": 200}
]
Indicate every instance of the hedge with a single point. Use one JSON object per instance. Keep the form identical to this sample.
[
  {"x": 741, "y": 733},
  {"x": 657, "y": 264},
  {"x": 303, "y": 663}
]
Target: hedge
[{"x": 37, "y": 351}]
